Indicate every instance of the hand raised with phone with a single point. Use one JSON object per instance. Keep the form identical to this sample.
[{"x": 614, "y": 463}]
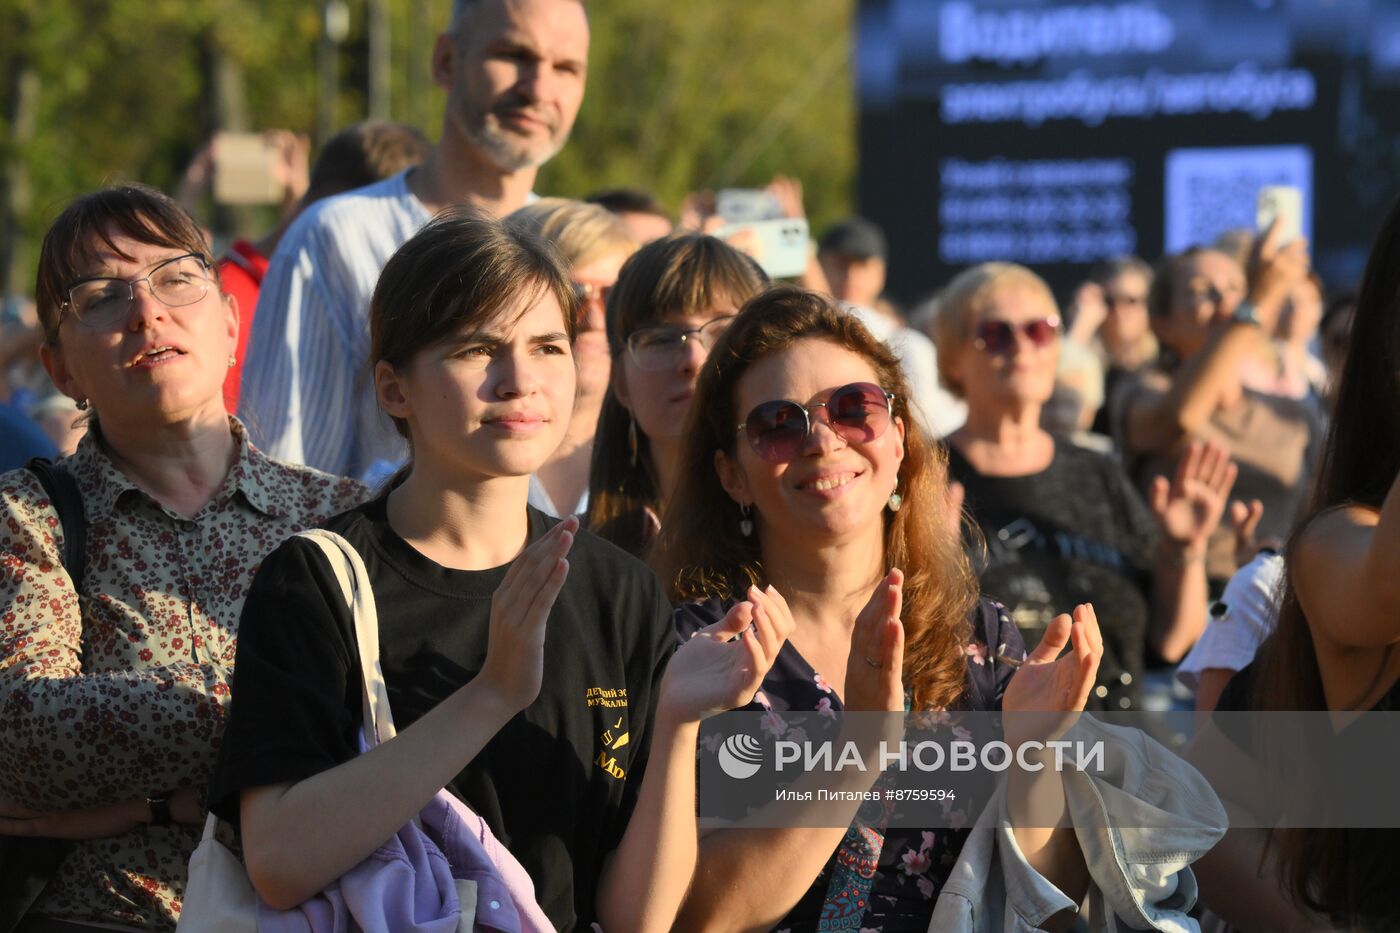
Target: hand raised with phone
[{"x": 520, "y": 607}]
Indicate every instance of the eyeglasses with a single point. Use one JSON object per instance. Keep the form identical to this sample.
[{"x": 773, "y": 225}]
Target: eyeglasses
[
  {"x": 587, "y": 292},
  {"x": 1113, "y": 300},
  {"x": 858, "y": 412},
  {"x": 661, "y": 348},
  {"x": 103, "y": 301},
  {"x": 1000, "y": 336}
]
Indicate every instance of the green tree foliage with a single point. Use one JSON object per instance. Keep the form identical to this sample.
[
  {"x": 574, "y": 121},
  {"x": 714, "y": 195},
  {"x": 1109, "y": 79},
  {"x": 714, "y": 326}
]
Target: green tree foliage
[{"x": 681, "y": 95}]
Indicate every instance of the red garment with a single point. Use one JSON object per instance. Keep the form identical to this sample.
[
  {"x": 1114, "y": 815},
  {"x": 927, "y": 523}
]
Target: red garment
[{"x": 241, "y": 271}]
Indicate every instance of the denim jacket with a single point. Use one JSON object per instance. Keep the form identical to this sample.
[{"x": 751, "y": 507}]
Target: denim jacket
[{"x": 1139, "y": 871}]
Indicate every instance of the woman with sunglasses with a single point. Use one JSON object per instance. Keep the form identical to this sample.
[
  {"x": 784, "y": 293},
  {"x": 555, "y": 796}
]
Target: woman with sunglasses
[
  {"x": 114, "y": 695},
  {"x": 1212, "y": 321},
  {"x": 532, "y": 668},
  {"x": 594, "y": 243},
  {"x": 1062, "y": 524},
  {"x": 672, "y": 301},
  {"x": 810, "y": 477}
]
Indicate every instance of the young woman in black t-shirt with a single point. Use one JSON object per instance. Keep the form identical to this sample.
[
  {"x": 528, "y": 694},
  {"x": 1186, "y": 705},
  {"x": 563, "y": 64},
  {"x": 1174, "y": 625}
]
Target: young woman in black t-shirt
[{"x": 534, "y": 692}]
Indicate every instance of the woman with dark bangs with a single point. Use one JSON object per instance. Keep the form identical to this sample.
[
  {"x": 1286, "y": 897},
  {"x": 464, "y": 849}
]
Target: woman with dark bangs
[
  {"x": 828, "y": 492},
  {"x": 532, "y": 668},
  {"x": 671, "y": 302}
]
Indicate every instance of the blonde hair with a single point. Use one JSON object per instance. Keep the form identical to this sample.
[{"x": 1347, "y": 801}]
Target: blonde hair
[
  {"x": 582, "y": 233},
  {"x": 957, "y": 306}
]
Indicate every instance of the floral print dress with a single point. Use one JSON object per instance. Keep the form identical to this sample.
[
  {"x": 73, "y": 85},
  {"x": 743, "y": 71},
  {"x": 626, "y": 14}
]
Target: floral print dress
[{"x": 877, "y": 881}]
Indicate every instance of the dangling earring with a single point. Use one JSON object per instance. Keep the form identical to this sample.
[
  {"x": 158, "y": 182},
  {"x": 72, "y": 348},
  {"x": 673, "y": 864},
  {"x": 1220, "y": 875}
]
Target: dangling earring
[
  {"x": 632, "y": 437},
  {"x": 232, "y": 361},
  {"x": 896, "y": 500},
  {"x": 745, "y": 523},
  {"x": 82, "y": 404}
]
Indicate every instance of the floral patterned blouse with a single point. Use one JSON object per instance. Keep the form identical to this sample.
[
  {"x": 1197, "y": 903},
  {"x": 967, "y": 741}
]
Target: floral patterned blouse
[
  {"x": 912, "y": 864},
  {"x": 120, "y": 692}
]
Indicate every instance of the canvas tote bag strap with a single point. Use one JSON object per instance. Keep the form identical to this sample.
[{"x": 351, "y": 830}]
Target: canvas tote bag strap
[{"x": 350, "y": 572}]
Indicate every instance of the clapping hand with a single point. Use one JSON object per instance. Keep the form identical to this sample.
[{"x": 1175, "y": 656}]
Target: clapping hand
[
  {"x": 520, "y": 607},
  {"x": 722, "y": 666},
  {"x": 875, "y": 665},
  {"x": 1050, "y": 683},
  {"x": 1188, "y": 508}
]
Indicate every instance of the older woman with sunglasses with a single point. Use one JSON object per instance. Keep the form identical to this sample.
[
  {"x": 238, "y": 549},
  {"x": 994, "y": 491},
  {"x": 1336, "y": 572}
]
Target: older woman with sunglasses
[
  {"x": 1063, "y": 525},
  {"x": 811, "y": 483},
  {"x": 672, "y": 301},
  {"x": 113, "y": 693}
]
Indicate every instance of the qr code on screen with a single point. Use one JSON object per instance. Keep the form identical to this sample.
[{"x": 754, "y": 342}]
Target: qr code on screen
[{"x": 1210, "y": 191}]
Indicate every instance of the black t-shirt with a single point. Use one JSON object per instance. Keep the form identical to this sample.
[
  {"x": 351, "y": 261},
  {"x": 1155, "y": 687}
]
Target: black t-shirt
[
  {"x": 556, "y": 784},
  {"x": 1076, "y": 532}
]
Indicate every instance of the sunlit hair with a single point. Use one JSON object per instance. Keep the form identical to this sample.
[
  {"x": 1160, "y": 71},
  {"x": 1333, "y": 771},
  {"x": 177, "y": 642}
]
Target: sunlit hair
[
  {"x": 583, "y": 233},
  {"x": 458, "y": 273},
  {"x": 672, "y": 277},
  {"x": 956, "y": 308},
  {"x": 702, "y": 554},
  {"x": 1105, "y": 272},
  {"x": 1341, "y": 871},
  {"x": 90, "y": 223}
]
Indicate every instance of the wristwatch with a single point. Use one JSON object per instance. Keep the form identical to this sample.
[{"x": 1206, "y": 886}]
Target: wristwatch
[
  {"x": 1246, "y": 313},
  {"x": 160, "y": 811}
]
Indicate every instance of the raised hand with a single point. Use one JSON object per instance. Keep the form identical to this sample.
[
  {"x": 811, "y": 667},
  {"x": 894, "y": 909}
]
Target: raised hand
[
  {"x": 514, "y": 665},
  {"x": 1088, "y": 311},
  {"x": 1188, "y": 508},
  {"x": 1049, "y": 683},
  {"x": 1244, "y": 520},
  {"x": 722, "y": 666},
  {"x": 1274, "y": 270},
  {"x": 875, "y": 666}
]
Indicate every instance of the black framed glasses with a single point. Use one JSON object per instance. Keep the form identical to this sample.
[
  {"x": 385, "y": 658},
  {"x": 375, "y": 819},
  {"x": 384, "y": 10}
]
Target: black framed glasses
[
  {"x": 662, "y": 348},
  {"x": 102, "y": 301},
  {"x": 1000, "y": 336},
  {"x": 858, "y": 412}
]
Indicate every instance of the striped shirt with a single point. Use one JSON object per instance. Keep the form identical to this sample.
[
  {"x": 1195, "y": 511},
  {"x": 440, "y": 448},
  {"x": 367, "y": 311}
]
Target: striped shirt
[{"x": 307, "y": 396}]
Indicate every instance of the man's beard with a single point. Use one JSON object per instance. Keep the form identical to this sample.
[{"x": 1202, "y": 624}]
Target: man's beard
[{"x": 510, "y": 154}]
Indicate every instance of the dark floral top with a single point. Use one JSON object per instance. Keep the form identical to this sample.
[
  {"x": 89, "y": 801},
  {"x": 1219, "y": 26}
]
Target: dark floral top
[
  {"x": 912, "y": 864},
  {"x": 120, "y": 692}
]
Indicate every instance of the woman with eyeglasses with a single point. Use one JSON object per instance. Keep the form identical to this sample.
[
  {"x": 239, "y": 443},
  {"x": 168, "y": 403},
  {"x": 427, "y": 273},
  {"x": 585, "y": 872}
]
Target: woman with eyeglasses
[
  {"x": 1062, "y": 525},
  {"x": 672, "y": 301},
  {"x": 594, "y": 243},
  {"x": 808, "y": 476},
  {"x": 1213, "y": 321},
  {"x": 113, "y": 694}
]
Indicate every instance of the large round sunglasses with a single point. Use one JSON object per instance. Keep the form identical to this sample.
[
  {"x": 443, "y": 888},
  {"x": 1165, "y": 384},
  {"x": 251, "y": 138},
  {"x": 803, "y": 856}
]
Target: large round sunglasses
[
  {"x": 102, "y": 301},
  {"x": 998, "y": 337},
  {"x": 660, "y": 348},
  {"x": 857, "y": 412}
]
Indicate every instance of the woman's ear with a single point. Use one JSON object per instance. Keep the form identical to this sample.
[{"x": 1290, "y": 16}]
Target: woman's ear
[
  {"x": 231, "y": 315},
  {"x": 389, "y": 390},
  {"x": 899, "y": 443},
  {"x": 60, "y": 375},
  {"x": 731, "y": 477},
  {"x": 617, "y": 381}
]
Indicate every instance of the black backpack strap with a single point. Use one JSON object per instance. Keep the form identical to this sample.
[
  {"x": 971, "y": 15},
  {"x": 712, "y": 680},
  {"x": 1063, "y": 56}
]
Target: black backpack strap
[{"x": 62, "y": 490}]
